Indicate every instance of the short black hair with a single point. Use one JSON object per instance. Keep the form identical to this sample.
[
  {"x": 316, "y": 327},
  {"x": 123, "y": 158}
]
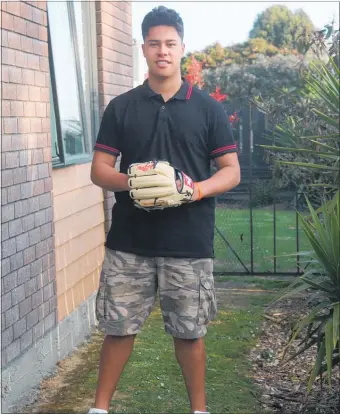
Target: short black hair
[{"x": 162, "y": 16}]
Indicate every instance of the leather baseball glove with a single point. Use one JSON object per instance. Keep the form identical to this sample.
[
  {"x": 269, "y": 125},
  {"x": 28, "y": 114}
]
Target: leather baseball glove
[{"x": 157, "y": 185}]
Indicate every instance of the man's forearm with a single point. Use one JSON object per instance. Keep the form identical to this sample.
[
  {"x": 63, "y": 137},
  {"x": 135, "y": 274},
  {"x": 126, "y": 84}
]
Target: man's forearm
[
  {"x": 222, "y": 181},
  {"x": 109, "y": 178}
]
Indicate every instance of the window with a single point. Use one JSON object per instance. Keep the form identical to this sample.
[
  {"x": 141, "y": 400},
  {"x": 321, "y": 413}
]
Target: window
[{"x": 73, "y": 80}]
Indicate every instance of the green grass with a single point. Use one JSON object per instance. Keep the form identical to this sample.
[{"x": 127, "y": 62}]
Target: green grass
[
  {"x": 263, "y": 283},
  {"x": 234, "y": 224},
  {"x": 152, "y": 381}
]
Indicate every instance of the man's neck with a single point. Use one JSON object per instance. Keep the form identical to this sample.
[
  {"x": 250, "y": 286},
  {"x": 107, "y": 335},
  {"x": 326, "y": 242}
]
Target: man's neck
[{"x": 165, "y": 87}]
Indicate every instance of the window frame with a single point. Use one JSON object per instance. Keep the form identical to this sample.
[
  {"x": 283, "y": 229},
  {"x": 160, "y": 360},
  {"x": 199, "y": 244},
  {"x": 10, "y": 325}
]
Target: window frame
[{"x": 91, "y": 70}]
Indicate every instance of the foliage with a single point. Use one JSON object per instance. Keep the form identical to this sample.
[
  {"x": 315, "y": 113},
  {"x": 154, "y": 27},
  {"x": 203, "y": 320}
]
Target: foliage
[
  {"x": 245, "y": 53},
  {"x": 322, "y": 324},
  {"x": 282, "y": 28},
  {"x": 312, "y": 133},
  {"x": 195, "y": 77},
  {"x": 194, "y": 72},
  {"x": 263, "y": 193},
  {"x": 241, "y": 82},
  {"x": 307, "y": 141},
  {"x": 276, "y": 31}
]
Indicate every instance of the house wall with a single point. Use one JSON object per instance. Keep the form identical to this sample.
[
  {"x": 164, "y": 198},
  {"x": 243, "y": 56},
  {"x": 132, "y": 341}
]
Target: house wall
[
  {"x": 27, "y": 263},
  {"x": 114, "y": 40},
  {"x": 53, "y": 220},
  {"x": 79, "y": 236}
]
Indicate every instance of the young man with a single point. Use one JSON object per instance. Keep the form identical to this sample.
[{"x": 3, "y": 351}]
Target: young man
[{"x": 169, "y": 249}]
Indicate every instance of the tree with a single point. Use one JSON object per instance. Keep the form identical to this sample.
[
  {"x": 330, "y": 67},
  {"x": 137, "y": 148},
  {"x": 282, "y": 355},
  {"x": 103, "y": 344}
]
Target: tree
[
  {"x": 243, "y": 82},
  {"x": 194, "y": 72},
  {"x": 215, "y": 56},
  {"x": 282, "y": 28}
]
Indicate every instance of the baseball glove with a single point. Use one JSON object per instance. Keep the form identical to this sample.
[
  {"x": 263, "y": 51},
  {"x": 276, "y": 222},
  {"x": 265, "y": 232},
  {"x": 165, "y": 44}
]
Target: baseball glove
[{"x": 154, "y": 185}]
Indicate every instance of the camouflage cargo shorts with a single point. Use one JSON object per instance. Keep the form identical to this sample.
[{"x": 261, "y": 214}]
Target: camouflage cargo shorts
[{"x": 128, "y": 289}]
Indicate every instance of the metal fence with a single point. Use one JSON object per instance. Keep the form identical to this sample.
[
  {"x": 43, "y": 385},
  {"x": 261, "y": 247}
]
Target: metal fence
[
  {"x": 257, "y": 228},
  {"x": 259, "y": 234}
]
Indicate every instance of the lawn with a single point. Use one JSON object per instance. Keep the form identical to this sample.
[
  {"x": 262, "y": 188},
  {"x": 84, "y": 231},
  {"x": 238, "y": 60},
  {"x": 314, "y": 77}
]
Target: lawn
[
  {"x": 234, "y": 224},
  {"x": 152, "y": 381}
]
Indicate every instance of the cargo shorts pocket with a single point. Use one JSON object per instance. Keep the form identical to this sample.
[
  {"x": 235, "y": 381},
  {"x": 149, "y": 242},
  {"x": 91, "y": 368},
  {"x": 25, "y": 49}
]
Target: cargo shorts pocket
[
  {"x": 100, "y": 298},
  {"x": 207, "y": 299}
]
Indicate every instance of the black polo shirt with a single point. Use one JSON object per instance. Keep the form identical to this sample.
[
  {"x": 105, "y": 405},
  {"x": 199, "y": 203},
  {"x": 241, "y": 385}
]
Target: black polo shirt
[{"x": 188, "y": 131}]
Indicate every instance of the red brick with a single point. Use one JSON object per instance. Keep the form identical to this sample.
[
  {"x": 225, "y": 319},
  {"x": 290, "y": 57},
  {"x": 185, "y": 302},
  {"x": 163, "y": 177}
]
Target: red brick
[
  {"x": 48, "y": 109},
  {"x": 28, "y": 76},
  {"x": 124, "y": 5},
  {"x": 6, "y": 108},
  {"x": 19, "y": 142},
  {"x": 32, "y": 141},
  {"x": 10, "y": 125},
  {"x": 42, "y": 140},
  {"x": 46, "y": 124},
  {"x": 7, "y": 21},
  {"x": 17, "y": 108},
  {"x": 33, "y": 3},
  {"x": 8, "y": 56},
  {"x": 40, "y": 109},
  {"x": 9, "y": 91},
  {"x": 38, "y": 16},
  {"x": 34, "y": 93},
  {"x": 20, "y": 25},
  {"x": 44, "y": 65},
  {"x": 29, "y": 109},
  {"x": 33, "y": 62},
  {"x": 36, "y": 125},
  {"x": 32, "y": 30},
  {"x": 113, "y": 90},
  {"x": 22, "y": 93},
  {"x": 44, "y": 94},
  {"x": 4, "y": 36},
  {"x": 15, "y": 75},
  {"x": 45, "y": 20},
  {"x": 14, "y": 40},
  {"x": 47, "y": 154},
  {"x": 27, "y": 44},
  {"x": 115, "y": 45},
  {"x": 5, "y": 75},
  {"x": 37, "y": 156},
  {"x": 13, "y": 7},
  {"x": 26, "y": 11},
  {"x": 24, "y": 125},
  {"x": 39, "y": 47},
  {"x": 42, "y": 5},
  {"x": 43, "y": 33},
  {"x": 21, "y": 59},
  {"x": 39, "y": 79}
]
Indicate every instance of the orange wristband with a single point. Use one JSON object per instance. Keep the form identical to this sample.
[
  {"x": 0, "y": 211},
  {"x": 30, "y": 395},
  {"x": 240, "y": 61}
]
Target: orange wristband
[{"x": 200, "y": 194}]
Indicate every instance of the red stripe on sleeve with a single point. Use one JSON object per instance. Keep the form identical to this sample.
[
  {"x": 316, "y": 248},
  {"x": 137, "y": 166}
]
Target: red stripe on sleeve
[
  {"x": 106, "y": 147},
  {"x": 226, "y": 148}
]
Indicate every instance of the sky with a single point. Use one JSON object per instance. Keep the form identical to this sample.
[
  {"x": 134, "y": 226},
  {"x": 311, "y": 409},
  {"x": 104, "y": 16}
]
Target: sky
[{"x": 225, "y": 22}]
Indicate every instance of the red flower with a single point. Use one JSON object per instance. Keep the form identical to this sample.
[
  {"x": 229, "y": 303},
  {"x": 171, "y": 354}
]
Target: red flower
[
  {"x": 194, "y": 75},
  {"x": 218, "y": 96},
  {"x": 233, "y": 118}
]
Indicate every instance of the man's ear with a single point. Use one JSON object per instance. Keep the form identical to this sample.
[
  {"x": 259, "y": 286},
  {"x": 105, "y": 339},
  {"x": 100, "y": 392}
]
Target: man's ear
[
  {"x": 143, "y": 49},
  {"x": 183, "y": 49}
]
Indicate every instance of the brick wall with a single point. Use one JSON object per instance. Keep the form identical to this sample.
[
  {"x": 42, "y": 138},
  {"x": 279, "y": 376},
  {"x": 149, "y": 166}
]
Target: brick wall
[
  {"x": 114, "y": 42},
  {"x": 28, "y": 273}
]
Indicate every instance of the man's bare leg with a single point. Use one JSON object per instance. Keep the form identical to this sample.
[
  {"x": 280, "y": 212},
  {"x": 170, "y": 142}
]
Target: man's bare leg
[
  {"x": 115, "y": 353},
  {"x": 190, "y": 354}
]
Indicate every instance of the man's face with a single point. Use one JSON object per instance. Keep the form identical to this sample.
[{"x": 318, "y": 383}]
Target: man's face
[{"x": 163, "y": 50}]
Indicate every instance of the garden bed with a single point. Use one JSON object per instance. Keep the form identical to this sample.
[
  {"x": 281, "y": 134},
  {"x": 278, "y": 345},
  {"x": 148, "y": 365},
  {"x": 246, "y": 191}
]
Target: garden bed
[{"x": 283, "y": 387}]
